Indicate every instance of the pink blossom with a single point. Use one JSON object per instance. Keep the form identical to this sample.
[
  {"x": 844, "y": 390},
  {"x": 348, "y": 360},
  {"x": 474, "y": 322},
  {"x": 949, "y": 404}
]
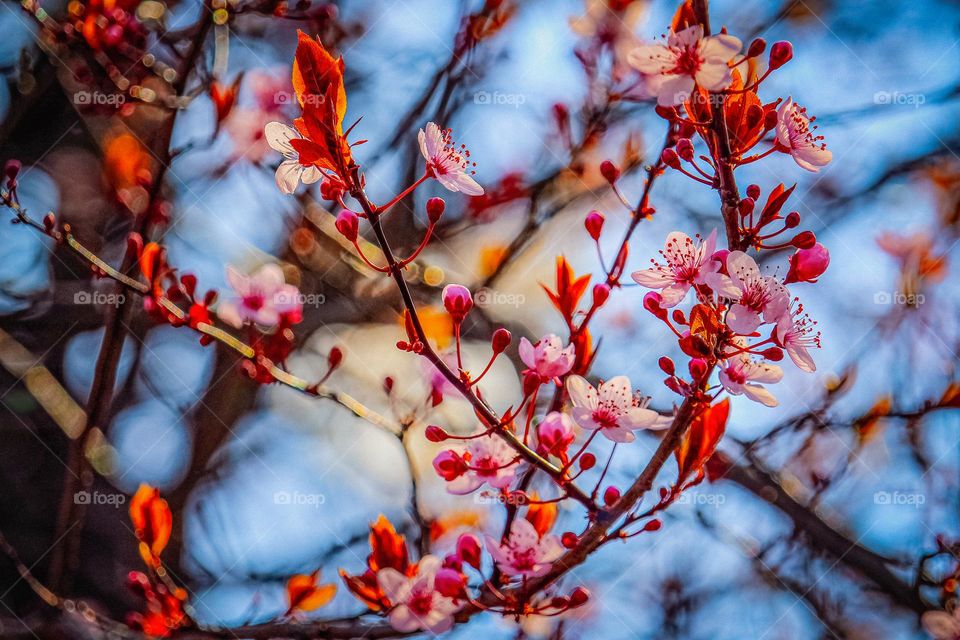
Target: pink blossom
[
  {"x": 417, "y": 604},
  {"x": 555, "y": 433},
  {"x": 525, "y": 553},
  {"x": 613, "y": 408},
  {"x": 740, "y": 374},
  {"x": 795, "y": 135},
  {"x": 548, "y": 358},
  {"x": 806, "y": 265},
  {"x": 263, "y": 298},
  {"x": 796, "y": 332},
  {"x": 686, "y": 59},
  {"x": 487, "y": 460},
  {"x": 457, "y": 300},
  {"x": 446, "y": 162},
  {"x": 685, "y": 264},
  {"x": 291, "y": 172},
  {"x": 246, "y": 129},
  {"x": 755, "y": 296},
  {"x": 942, "y": 625}
]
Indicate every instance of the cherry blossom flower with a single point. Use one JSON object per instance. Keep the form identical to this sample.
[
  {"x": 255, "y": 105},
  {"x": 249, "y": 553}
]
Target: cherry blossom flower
[
  {"x": 796, "y": 332},
  {"x": 525, "y": 553},
  {"x": 806, "y": 265},
  {"x": 555, "y": 433},
  {"x": 740, "y": 374},
  {"x": 263, "y": 298},
  {"x": 612, "y": 408},
  {"x": 486, "y": 460},
  {"x": 795, "y": 135},
  {"x": 417, "y": 604},
  {"x": 756, "y": 297},
  {"x": 291, "y": 172},
  {"x": 446, "y": 162},
  {"x": 685, "y": 264},
  {"x": 686, "y": 59},
  {"x": 548, "y": 358},
  {"x": 942, "y": 625}
]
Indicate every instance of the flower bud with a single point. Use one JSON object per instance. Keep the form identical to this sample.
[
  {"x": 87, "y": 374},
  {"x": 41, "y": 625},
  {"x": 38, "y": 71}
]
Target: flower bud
[
  {"x": 780, "y": 54},
  {"x": 792, "y": 220},
  {"x": 670, "y": 158},
  {"x": 579, "y": 597},
  {"x": 435, "y": 208},
  {"x": 653, "y": 525},
  {"x": 610, "y": 496},
  {"x": 569, "y": 539},
  {"x": 753, "y": 191},
  {"x": 685, "y": 149},
  {"x": 348, "y": 225},
  {"x": 609, "y": 171},
  {"x": 666, "y": 365},
  {"x": 500, "y": 341},
  {"x": 698, "y": 369},
  {"x": 11, "y": 169},
  {"x": 804, "y": 240},
  {"x": 746, "y": 206},
  {"x": 449, "y": 583},
  {"x": 601, "y": 292},
  {"x": 434, "y": 433},
  {"x": 457, "y": 301},
  {"x": 334, "y": 358},
  {"x": 806, "y": 265},
  {"x": 757, "y": 47},
  {"x": 652, "y": 302},
  {"x": 469, "y": 550},
  {"x": 594, "y": 224},
  {"x": 774, "y": 354},
  {"x": 587, "y": 461}
]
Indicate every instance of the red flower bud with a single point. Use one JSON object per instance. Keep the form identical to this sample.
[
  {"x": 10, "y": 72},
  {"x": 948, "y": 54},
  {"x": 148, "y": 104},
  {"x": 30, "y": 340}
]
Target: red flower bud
[
  {"x": 666, "y": 365},
  {"x": 780, "y": 54},
  {"x": 501, "y": 340},
  {"x": 434, "y": 433},
  {"x": 804, "y": 240},
  {"x": 792, "y": 220},
  {"x": 469, "y": 550},
  {"x": 457, "y": 301},
  {"x": 753, "y": 191},
  {"x": 449, "y": 465},
  {"x": 435, "y": 208},
  {"x": 685, "y": 149},
  {"x": 698, "y": 369},
  {"x": 11, "y": 169},
  {"x": 609, "y": 171},
  {"x": 757, "y": 47},
  {"x": 587, "y": 461},
  {"x": 348, "y": 225},
  {"x": 653, "y": 525},
  {"x": 600, "y": 293},
  {"x": 746, "y": 206},
  {"x": 579, "y": 597},
  {"x": 569, "y": 539},
  {"x": 670, "y": 158},
  {"x": 594, "y": 224},
  {"x": 449, "y": 582},
  {"x": 652, "y": 302},
  {"x": 806, "y": 265},
  {"x": 774, "y": 354},
  {"x": 610, "y": 496}
]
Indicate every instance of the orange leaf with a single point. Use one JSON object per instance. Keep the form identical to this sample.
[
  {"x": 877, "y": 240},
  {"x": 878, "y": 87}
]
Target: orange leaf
[
  {"x": 684, "y": 17},
  {"x": 387, "y": 547},
  {"x": 542, "y": 516},
  {"x": 152, "y": 522},
  {"x": 304, "y": 594},
  {"x": 701, "y": 441},
  {"x": 318, "y": 77}
]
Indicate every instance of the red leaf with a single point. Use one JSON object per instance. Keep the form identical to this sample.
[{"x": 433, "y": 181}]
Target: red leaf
[{"x": 701, "y": 441}]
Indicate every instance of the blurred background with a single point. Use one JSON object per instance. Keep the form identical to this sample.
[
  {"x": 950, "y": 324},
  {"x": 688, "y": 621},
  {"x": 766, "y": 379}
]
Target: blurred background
[{"x": 841, "y": 517}]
